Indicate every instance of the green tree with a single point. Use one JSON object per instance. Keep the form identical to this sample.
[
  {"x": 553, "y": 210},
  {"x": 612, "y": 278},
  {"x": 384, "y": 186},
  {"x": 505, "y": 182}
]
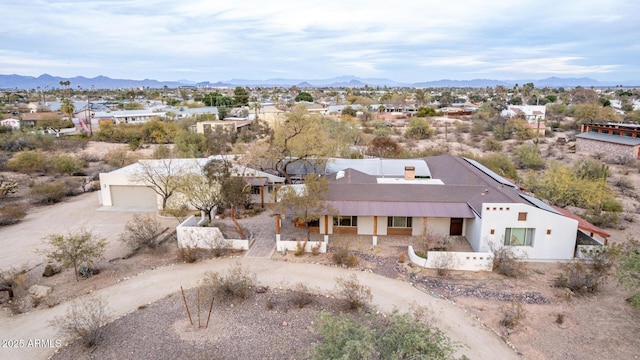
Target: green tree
[
  {"x": 301, "y": 138},
  {"x": 426, "y": 112},
  {"x": 240, "y": 96},
  {"x": 419, "y": 129},
  {"x": 75, "y": 249},
  {"x": 306, "y": 202},
  {"x": 190, "y": 145},
  {"x": 202, "y": 193},
  {"x": 304, "y": 96}
]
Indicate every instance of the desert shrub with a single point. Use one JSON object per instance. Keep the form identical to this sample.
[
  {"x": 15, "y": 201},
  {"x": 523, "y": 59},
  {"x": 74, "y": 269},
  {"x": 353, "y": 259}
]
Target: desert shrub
[
  {"x": 444, "y": 263},
  {"x": 419, "y": 129},
  {"x": 236, "y": 284},
  {"x": 73, "y": 186},
  {"x": 367, "y": 336},
  {"x": 602, "y": 219},
  {"x": 85, "y": 319},
  {"x": 75, "y": 249},
  {"x": 602, "y": 258},
  {"x": 579, "y": 278},
  {"x": 28, "y": 161},
  {"x": 491, "y": 144},
  {"x": 500, "y": 164},
  {"x": 591, "y": 169},
  {"x": 300, "y": 246},
  {"x": 343, "y": 257},
  {"x": 141, "y": 231},
  {"x": 7, "y": 186},
  {"x": 527, "y": 157},
  {"x": 161, "y": 152},
  {"x": 512, "y": 314},
  {"x": 14, "y": 283},
  {"x": 219, "y": 247},
  {"x": 508, "y": 262},
  {"x": 315, "y": 250},
  {"x": 189, "y": 254},
  {"x": 628, "y": 270},
  {"x": 48, "y": 193},
  {"x": 301, "y": 296},
  {"x": 12, "y": 213},
  {"x": 355, "y": 294},
  {"x": 65, "y": 164},
  {"x": 119, "y": 158}
]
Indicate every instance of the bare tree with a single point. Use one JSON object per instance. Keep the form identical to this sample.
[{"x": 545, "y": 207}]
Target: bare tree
[{"x": 163, "y": 176}]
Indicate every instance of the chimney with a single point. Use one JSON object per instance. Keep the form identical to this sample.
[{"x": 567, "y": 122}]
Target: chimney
[{"x": 409, "y": 173}]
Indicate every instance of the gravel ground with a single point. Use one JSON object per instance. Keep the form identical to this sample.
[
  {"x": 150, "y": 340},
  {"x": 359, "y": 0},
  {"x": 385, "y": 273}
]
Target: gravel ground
[{"x": 236, "y": 330}]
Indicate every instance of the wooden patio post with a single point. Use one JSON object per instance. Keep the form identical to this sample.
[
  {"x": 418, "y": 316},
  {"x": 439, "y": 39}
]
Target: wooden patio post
[
  {"x": 375, "y": 231},
  {"x": 277, "y": 227}
]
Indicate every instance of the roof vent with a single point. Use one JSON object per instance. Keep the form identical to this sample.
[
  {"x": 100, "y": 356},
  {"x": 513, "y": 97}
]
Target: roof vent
[{"x": 340, "y": 174}]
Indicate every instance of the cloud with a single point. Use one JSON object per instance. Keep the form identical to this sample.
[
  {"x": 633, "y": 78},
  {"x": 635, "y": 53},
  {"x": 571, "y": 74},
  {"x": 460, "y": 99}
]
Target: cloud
[{"x": 400, "y": 40}]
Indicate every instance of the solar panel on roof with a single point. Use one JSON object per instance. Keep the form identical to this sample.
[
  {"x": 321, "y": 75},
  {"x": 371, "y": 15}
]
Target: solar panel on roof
[
  {"x": 539, "y": 204},
  {"x": 490, "y": 173}
]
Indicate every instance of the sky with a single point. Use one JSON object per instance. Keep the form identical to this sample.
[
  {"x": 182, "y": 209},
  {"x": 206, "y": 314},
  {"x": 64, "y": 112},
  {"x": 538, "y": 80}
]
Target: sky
[{"x": 402, "y": 40}]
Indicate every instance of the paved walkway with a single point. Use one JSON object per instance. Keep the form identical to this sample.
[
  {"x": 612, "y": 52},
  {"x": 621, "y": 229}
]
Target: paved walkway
[{"x": 477, "y": 342}]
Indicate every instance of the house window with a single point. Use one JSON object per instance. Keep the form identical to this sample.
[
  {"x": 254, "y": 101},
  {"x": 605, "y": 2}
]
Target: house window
[
  {"x": 399, "y": 221},
  {"x": 604, "y": 132},
  {"x": 347, "y": 221},
  {"x": 519, "y": 236},
  {"x": 522, "y": 216},
  {"x": 255, "y": 190}
]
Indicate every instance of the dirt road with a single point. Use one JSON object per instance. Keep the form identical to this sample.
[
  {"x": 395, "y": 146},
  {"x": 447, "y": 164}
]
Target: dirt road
[
  {"x": 126, "y": 296},
  {"x": 19, "y": 241}
]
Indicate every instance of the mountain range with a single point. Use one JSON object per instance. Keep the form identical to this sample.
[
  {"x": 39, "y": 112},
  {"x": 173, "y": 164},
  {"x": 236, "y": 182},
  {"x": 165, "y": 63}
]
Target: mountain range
[{"x": 102, "y": 82}]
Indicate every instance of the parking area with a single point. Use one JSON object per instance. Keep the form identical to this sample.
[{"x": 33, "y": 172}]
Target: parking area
[{"x": 23, "y": 243}]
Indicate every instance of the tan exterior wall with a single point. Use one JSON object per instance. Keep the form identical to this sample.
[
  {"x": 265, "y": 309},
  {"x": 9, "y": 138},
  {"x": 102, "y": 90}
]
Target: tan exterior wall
[{"x": 609, "y": 149}]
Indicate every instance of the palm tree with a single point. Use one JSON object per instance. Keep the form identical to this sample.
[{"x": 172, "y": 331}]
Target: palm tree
[
  {"x": 68, "y": 108},
  {"x": 256, "y": 106}
]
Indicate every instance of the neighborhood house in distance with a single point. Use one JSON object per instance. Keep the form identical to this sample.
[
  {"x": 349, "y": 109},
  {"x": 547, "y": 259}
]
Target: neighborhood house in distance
[{"x": 444, "y": 195}]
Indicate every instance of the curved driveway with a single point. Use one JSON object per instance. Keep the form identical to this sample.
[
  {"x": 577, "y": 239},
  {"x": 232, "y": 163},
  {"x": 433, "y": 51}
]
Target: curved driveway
[{"x": 19, "y": 240}]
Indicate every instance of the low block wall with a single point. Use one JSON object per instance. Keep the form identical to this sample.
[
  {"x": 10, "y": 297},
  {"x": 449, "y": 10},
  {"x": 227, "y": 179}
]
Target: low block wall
[
  {"x": 292, "y": 246},
  {"x": 467, "y": 261},
  {"x": 584, "y": 251},
  {"x": 191, "y": 234}
]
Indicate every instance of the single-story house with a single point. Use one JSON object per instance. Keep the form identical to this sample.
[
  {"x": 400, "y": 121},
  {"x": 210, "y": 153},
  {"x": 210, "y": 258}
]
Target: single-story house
[
  {"x": 11, "y": 122},
  {"x": 460, "y": 197},
  {"x": 530, "y": 112},
  {"x": 127, "y": 116},
  {"x": 612, "y": 144},
  {"x": 204, "y": 127},
  {"x": 123, "y": 187}
]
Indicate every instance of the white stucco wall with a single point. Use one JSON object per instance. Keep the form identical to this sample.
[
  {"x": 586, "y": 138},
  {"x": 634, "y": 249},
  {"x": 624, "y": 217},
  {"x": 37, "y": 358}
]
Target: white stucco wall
[
  {"x": 473, "y": 230},
  {"x": 559, "y": 245},
  {"x": 190, "y": 234},
  {"x": 468, "y": 261},
  {"x": 116, "y": 179}
]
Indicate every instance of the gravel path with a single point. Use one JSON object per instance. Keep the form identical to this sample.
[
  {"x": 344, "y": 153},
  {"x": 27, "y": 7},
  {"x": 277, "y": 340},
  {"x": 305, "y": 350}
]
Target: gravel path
[{"x": 146, "y": 288}]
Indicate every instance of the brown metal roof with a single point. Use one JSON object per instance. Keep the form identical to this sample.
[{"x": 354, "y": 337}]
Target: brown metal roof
[{"x": 398, "y": 208}]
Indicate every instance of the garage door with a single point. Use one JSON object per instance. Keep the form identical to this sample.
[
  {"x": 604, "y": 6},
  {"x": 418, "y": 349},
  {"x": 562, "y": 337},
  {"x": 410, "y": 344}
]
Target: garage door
[{"x": 122, "y": 195}]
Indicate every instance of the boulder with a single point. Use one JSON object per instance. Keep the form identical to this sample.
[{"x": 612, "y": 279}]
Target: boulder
[
  {"x": 40, "y": 291},
  {"x": 50, "y": 270}
]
